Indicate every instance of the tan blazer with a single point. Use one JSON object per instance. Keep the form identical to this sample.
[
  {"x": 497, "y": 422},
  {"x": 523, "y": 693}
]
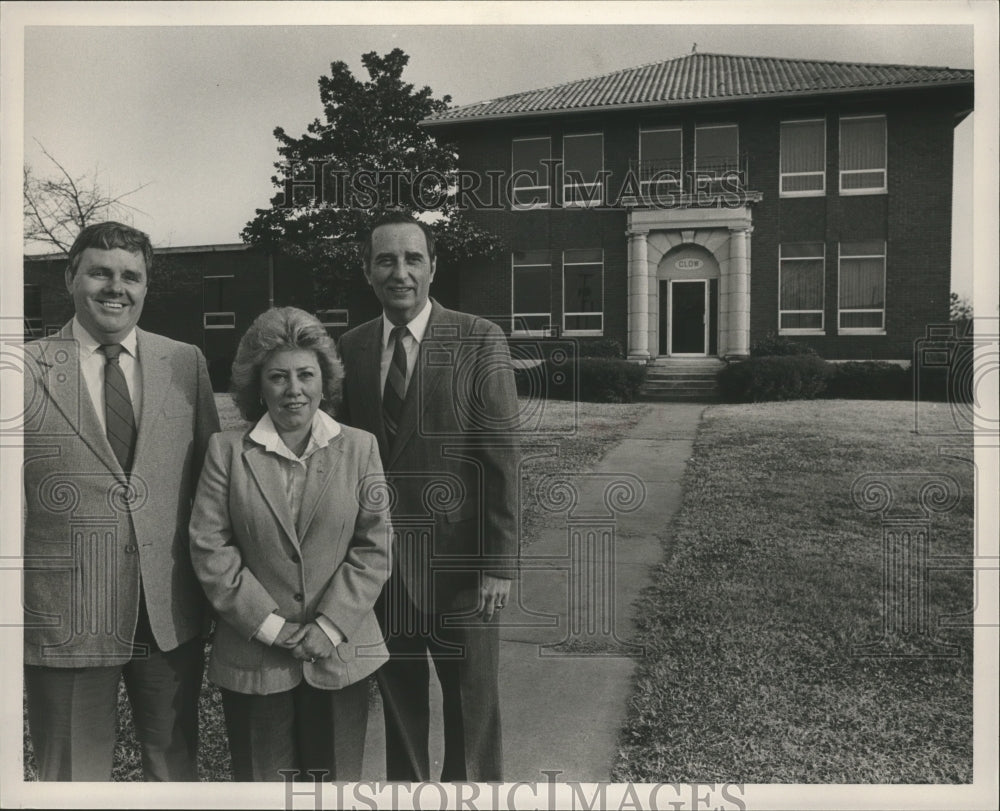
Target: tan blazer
[
  {"x": 454, "y": 464},
  {"x": 85, "y": 541},
  {"x": 253, "y": 560}
]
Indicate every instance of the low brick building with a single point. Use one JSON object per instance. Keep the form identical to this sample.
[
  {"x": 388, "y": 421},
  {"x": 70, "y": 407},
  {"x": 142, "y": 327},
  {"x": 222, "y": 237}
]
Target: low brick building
[
  {"x": 205, "y": 295},
  {"x": 691, "y": 207}
]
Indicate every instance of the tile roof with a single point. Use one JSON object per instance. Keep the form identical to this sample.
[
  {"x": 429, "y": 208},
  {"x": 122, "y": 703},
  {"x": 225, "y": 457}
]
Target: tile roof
[{"x": 705, "y": 77}]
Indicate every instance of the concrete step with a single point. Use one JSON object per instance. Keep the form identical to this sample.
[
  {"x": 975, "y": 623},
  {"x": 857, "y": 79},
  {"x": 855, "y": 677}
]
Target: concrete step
[
  {"x": 687, "y": 362},
  {"x": 684, "y": 368},
  {"x": 686, "y": 379},
  {"x": 660, "y": 374},
  {"x": 680, "y": 385},
  {"x": 682, "y": 380},
  {"x": 677, "y": 397}
]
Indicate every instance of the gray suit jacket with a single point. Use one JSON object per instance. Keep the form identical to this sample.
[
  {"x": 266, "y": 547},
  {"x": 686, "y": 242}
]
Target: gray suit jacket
[
  {"x": 253, "y": 559},
  {"x": 89, "y": 529},
  {"x": 454, "y": 464}
]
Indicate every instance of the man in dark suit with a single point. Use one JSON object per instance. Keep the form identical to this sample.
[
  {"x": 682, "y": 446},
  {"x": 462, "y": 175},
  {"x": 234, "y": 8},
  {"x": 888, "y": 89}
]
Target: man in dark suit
[
  {"x": 436, "y": 388},
  {"x": 116, "y": 424}
]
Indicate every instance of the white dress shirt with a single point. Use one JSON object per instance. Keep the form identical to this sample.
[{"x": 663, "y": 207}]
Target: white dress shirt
[
  {"x": 294, "y": 469},
  {"x": 411, "y": 343},
  {"x": 93, "y": 361}
]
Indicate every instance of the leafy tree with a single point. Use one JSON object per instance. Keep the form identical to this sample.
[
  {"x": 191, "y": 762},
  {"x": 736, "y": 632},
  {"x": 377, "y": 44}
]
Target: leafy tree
[
  {"x": 959, "y": 308},
  {"x": 370, "y": 154}
]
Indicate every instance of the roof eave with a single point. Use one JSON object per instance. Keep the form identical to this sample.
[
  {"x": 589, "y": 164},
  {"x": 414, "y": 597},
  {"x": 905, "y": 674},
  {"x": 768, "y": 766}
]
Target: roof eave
[
  {"x": 223, "y": 247},
  {"x": 692, "y": 102}
]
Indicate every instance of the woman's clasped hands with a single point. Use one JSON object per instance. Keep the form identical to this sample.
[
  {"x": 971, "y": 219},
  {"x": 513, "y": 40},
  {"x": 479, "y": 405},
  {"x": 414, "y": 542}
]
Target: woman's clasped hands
[{"x": 306, "y": 641}]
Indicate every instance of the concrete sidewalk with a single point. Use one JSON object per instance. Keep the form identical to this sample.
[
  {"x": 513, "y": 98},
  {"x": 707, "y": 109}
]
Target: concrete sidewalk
[{"x": 566, "y": 659}]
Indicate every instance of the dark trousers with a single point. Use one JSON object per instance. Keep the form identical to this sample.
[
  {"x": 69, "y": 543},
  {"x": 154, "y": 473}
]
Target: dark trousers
[
  {"x": 466, "y": 655},
  {"x": 73, "y": 715},
  {"x": 303, "y": 729}
]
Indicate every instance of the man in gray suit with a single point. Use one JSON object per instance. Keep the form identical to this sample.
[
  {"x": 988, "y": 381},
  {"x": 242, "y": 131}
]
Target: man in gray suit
[
  {"x": 436, "y": 388},
  {"x": 115, "y": 429}
]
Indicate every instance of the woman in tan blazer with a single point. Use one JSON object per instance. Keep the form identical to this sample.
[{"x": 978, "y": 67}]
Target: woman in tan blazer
[{"x": 290, "y": 539}]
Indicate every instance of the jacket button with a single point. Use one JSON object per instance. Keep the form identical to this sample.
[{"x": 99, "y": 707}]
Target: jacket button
[
  {"x": 296, "y": 558},
  {"x": 131, "y": 547},
  {"x": 298, "y": 597}
]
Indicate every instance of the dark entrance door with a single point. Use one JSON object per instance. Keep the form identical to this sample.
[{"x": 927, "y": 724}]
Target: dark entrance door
[{"x": 687, "y": 318}]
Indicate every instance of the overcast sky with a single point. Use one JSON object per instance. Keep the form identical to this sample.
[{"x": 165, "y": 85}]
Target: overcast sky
[{"x": 190, "y": 110}]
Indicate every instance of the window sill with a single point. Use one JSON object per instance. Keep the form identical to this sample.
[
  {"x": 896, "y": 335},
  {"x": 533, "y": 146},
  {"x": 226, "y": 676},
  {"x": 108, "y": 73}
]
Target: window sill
[
  {"x": 219, "y": 320},
  {"x": 801, "y": 332},
  {"x": 583, "y": 333},
  {"x": 861, "y": 192},
  {"x": 860, "y": 331},
  {"x": 816, "y": 193}
]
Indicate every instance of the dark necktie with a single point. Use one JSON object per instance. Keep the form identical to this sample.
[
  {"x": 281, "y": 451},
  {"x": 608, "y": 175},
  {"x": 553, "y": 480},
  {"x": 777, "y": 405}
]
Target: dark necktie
[
  {"x": 395, "y": 384},
  {"x": 118, "y": 414}
]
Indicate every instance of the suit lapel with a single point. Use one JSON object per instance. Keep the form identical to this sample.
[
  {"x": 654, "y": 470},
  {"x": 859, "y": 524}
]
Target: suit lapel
[
  {"x": 323, "y": 464},
  {"x": 156, "y": 377},
  {"x": 442, "y": 338},
  {"x": 369, "y": 379},
  {"x": 266, "y": 472},
  {"x": 68, "y": 391}
]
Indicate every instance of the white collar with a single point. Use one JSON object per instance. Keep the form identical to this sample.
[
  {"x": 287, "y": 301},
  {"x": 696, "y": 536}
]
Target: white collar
[
  {"x": 417, "y": 325},
  {"x": 324, "y": 428},
  {"x": 89, "y": 344}
]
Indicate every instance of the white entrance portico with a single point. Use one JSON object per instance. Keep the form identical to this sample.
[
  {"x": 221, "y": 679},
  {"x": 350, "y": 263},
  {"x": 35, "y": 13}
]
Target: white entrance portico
[{"x": 697, "y": 258}]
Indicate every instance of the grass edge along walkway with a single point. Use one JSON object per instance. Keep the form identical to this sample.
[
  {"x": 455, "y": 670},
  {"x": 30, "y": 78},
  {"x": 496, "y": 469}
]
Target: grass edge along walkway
[{"x": 775, "y": 574}]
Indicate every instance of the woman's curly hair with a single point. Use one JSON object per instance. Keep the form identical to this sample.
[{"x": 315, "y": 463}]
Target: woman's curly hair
[{"x": 283, "y": 328}]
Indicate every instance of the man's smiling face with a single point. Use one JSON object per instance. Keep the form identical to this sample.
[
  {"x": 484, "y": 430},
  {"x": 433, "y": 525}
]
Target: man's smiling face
[
  {"x": 108, "y": 290},
  {"x": 400, "y": 271}
]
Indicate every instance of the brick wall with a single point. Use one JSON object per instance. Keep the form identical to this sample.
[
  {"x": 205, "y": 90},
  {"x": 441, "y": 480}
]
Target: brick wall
[
  {"x": 174, "y": 300},
  {"x": 914, "y": 217}
]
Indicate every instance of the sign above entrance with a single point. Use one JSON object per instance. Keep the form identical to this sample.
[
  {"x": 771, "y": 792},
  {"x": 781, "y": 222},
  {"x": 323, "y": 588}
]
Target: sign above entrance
[{"x": 688, "y": 264}]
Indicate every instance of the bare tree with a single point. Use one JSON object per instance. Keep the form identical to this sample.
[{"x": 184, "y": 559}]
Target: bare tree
[{"x": 58, "y": 207}]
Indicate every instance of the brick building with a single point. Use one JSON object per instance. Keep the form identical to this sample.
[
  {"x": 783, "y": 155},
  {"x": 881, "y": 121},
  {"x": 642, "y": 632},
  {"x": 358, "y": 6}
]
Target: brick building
[
  {"x": 691, "y": 207},
  {"x": 686, "y": 208}
]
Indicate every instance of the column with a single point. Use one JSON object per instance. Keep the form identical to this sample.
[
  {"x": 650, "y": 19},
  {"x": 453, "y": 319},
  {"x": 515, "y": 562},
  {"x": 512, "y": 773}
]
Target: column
[
  {"x": 638, "y": 297},
  {"x": 738, "y": 289},
  {"x": 724, "y": 337}
]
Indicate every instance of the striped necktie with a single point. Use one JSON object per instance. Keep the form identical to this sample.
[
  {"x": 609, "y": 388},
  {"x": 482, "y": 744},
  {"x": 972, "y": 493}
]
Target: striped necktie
[
  {"x": 395, "y": 384},
  {"x": 118, "y": 414}
]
